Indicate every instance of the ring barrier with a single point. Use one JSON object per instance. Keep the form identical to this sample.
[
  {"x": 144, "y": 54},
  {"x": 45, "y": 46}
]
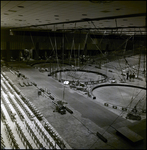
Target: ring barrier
[
  {"x": 89, "y": 82},
  {"x": 103, "y": 85}
]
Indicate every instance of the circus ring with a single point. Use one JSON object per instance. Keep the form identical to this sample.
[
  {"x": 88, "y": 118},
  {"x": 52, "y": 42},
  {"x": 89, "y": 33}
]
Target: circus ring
[
  {"x": 86, "y": 77},
  {"x": 120, "y": 96}
]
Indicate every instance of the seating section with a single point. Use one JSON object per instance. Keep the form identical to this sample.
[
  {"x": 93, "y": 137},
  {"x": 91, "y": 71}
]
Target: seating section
[
  {"x": 21, "y": 120},
  {"x": 2, "y": 143},
  {"x": 23, "y": 136},
  {"x": 11, "y": 136}
]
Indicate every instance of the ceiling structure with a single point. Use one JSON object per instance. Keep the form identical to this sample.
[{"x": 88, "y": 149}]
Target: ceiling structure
[{"x": 128, "y": 17}]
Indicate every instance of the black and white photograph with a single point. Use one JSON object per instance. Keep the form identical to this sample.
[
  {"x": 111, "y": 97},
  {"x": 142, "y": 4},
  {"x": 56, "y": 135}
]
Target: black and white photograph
[{"x": 73, "y": 74}]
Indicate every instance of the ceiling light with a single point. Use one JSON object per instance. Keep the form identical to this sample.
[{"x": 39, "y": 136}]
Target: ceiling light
[
  {"x": 84, "y": 14},
  {"x": 12, "y": 10},
  {"x": 20, "y": 6},
  {"x": 105, "y": 11}
]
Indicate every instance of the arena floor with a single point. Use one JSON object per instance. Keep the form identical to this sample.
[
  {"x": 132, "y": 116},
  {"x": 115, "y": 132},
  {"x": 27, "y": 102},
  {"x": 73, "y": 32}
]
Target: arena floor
[{"x": 89, "y": 115}]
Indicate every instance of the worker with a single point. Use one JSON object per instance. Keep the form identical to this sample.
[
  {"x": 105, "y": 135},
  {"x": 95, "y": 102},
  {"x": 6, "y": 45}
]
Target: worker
[
  {"x": 133, "y": 76},
  {"x": 127, "y": 75},
  {"x": 130, "y": 76}
]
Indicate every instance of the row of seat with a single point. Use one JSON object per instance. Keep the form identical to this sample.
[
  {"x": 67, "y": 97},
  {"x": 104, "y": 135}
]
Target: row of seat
[
  {"x": 8, "y": 108},
  {"x": 54, "y": 135},
  {"x": 30, "y": 114},
  {"x": 11, "y": 99},
  {"x": 44, "y": 134},
  {"x": 2, "y": 143},
  {"x": 35, "y": 111},
  {"x": 11, "y": 136},
  {"x": 8, "y": 86},
  {"x": 32, "y": 107},
  {"x": 11, "y": 83},
  {"x": 36, "y": 138},
  {"x": 3, "y": 87},
  {"x": 3, "y": 117},
  {"x": 16, "y": 107},
  {"x": 23, "y": 136},
  {"x": 24, "y": 106}
]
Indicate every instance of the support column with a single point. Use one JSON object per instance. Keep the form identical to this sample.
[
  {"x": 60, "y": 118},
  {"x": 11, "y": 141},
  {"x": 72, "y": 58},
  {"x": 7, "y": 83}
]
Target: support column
[
  {"x": 8, "y": 52},
  {"x": 37, "y": 51}
]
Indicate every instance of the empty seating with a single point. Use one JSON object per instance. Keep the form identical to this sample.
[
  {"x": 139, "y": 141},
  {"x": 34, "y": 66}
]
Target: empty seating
[
  {"x": 11, "y": 136},
  {"x": 54, "y": 135},
  {"x": 24, "y": 106},
  {"x": 47, "y": 139},
  {"x": 2, "y": 143},
  {"x": 9, "y": 87},
  {"x": 16, "y": 107},
  {"x": 3, "y": 117},
  {"x": 34, "y": 135},
  {"x": 23, "y": 136},
  {"x": 9, "y": 110}
]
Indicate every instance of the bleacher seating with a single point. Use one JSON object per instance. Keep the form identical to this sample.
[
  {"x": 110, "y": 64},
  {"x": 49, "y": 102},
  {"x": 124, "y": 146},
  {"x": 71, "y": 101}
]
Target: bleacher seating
[
  {"x": 2, "y": 143},
  {"x": 23, "y": 136},
  {"x": 11, "y": 136}
]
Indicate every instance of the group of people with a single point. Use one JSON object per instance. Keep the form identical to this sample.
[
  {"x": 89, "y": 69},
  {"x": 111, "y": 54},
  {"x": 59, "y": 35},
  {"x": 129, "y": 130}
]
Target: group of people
[{"x": 130, "y": 76}]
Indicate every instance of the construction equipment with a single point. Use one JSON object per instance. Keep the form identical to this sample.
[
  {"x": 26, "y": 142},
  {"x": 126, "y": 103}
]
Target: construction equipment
[{"x": 59, "y": 107}]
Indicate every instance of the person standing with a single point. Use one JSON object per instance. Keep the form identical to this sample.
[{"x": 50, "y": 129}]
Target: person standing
[{"x": 127, "y": 75}]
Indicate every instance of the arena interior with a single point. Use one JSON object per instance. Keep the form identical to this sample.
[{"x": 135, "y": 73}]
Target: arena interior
[{"x": 73, "y": 74}]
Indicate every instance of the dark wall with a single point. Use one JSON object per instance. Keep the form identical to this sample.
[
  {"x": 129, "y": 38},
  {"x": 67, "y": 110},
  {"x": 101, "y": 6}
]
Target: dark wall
[{"x": 48, "y": 43}]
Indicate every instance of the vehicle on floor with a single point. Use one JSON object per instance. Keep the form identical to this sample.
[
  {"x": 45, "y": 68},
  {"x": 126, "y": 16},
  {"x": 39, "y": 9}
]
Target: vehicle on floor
[
  {"x": 112, "y": 80},
  {"x": 61, "y": 109},
  {"x": 133, "y": 116}
]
